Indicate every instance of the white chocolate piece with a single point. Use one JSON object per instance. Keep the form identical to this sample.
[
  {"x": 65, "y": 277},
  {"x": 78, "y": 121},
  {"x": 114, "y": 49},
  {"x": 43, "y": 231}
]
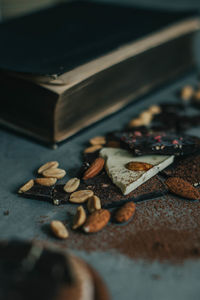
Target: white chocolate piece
[{"x": 128, "y": 180}]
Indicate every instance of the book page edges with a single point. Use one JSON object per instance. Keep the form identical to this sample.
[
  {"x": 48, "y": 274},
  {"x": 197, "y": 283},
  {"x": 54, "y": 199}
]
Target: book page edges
[{"x": 81, "y": 73}]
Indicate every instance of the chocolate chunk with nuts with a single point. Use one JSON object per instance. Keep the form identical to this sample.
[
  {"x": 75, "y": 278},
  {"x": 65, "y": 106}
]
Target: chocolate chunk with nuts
[
  {"x": 160, "y": 143},
  {"x": 39, "y": 192},
  {"x": 187, "y": 168}
]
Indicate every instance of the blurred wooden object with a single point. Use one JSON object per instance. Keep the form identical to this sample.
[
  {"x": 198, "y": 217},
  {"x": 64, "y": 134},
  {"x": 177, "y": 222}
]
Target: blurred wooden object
[{"x": 12, "y": 8}]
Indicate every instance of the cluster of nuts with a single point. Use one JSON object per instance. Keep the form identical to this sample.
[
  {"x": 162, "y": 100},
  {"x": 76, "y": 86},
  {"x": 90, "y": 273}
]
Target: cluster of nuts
[
  {"x": 145, "y": 117},
  {"x": 50, "y": 173},
  {"x": 97, "y": 219},
  {"x": 96, "y": 143}
]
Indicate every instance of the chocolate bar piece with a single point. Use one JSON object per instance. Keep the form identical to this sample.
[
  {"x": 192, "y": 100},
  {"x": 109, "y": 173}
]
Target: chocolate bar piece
[
  {"x": 111, "y": 195},
  {"x": 160, "y": 143},
  {"x": 187, "y": 168},
  {"x": 39, "y": 192}
]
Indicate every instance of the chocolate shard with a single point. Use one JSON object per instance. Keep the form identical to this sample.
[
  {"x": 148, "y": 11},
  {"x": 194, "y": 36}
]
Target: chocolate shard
[
  {"x": 39, "y": 192},
  {"x": 111, "y": 195},
  {"x": 187, "y": 168},
  {"x": 164, "y": 143}
]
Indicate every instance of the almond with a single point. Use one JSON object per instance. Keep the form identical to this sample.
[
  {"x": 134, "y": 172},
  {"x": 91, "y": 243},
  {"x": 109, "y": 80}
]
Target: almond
[
  {"x": 93, "y": 149},
  {"x": 27, "y": 186},
  {"x": 124, "y": 213},
  {"x": 138, "y": 166},
  {"x": 59, "y": 229},
  {"x": 97, "y": 221},
  {"x": 48, "y": 165},
  {"x": 182, "y": 188},
  {"x": 46, "y": 181},
  {"x": 54, "y": 172},
  {"x": 98, "y": 140},
  {"x": 81, "y": 196},
  {"x": 94, "y": 169},
  {"x": 79, "y": 218},
  {"x": 93, "y": 204},
  {"x": 71, "y": 185}
]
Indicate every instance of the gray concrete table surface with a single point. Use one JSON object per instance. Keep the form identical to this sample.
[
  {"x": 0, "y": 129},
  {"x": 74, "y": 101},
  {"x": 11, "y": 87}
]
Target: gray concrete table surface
[{"x": 125, "y": 278}]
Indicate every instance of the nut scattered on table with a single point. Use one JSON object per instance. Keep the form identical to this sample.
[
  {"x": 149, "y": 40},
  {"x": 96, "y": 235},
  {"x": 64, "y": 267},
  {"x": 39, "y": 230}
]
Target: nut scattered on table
[
  {"x": 98, "y": 140},
  {"x": 154, "y": 109},
  {"x": 136, "y": 122},
  {"x": 146, "y": 117},
  {"x": 46, "y": 181},
  {"x": 48, "y": 165},
  {"x": 93, "y": 204},
  {"x": 79, "y": 218},
  {"x": 81, "y": 196},
  {"x": 59, "y": 229},
  {"x": 187, "y": 92},
  {"x": 92, "y": 149},
  {"x": 72, "y": 185},
  {"x": 125, "y": 213},
  {"x": 196, "y": 96},
  {"x": 97, "y": 221},
  {"x": 54, "y": 172},
  {"x": 27, "y": 186},
  {"x": 94, "y": 169}
]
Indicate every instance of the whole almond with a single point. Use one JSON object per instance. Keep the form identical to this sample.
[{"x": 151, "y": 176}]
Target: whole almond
[
  {"x": 94, "y": 169},
  {"x": 182, "y": 188},
  {"x": 79, "y": 218},
  {"x": 27, "y": 186},
  {"x": 98, "y": 140},
  {"x": 71, "y": 185},
  {"x": 48, "y": 165},
  {"x": 59, "y": 229},
  {"x": 54, "y": 172},
  {"x": 93, "y": 204},
  {"x": 138, "y": 166},
  {"x": 93, "y": 148},
  {"x": 46, "y": 181},
  {"x": 81, "y": 196},
  {"x": 124, "y": 213},
  {"x": 97, "y": 221}
]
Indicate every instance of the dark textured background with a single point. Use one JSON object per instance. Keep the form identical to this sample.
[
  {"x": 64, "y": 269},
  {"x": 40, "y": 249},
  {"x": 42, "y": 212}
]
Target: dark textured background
[{"x": 126, "y": 279}]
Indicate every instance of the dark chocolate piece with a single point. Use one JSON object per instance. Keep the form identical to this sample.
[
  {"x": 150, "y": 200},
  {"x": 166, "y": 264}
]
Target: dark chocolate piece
[
  {"x": 187, "y": 168},
  {"x": 59, "y": 196},
  {"x": 111, "y": 196},
  {"x": 39, "y": 192},
  {"x": 160, "y": 143}
]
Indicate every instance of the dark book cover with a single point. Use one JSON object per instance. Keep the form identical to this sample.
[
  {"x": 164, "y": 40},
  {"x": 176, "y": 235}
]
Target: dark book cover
[{"x": 68, "y": 66}]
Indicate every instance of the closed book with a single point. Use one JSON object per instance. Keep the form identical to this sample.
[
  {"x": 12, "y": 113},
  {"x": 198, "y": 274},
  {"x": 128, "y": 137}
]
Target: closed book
[{"x": 65, "y": 67}]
